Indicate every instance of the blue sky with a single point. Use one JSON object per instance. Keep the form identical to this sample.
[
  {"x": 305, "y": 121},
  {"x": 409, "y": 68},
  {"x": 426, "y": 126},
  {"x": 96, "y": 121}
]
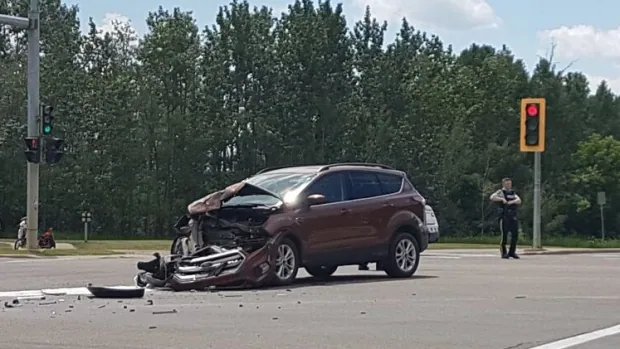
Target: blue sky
[{"x": 585, "y": 34}]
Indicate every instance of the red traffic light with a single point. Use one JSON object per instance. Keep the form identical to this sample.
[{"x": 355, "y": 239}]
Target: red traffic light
[
  {"x": 532, "y": 110},
  {"x": 32, "y": 143}
]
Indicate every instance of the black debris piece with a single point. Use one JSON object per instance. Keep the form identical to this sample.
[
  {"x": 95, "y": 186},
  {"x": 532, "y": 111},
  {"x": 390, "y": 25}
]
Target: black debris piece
[
  {"x": 117, "y": 292},
  {"x": 173, "y": 311}
]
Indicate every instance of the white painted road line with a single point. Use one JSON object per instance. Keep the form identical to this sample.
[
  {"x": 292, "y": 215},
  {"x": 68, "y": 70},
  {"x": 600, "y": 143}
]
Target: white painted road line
[
  {"x": 580, "y": 339},
  {"x": 74, "y": 291},
  {"x": 460, "y": 255}
]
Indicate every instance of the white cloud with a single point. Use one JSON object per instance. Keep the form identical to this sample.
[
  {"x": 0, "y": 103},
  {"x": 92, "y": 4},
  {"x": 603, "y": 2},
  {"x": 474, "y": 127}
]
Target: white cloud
[
  {"x": 110, "y": 20},
  {"x": 612, "y": 83},
  {"x": 436, "y": 14},
  {"x": 584, "y": 41}
]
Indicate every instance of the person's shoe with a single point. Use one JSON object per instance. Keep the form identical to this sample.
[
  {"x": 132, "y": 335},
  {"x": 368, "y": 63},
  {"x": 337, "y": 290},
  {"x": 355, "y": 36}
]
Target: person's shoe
[
  {"x": 514, "y": 255},
  {"x": 504, "y": 256}
]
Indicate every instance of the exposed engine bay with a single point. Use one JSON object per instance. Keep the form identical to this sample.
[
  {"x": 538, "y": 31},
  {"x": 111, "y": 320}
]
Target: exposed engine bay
[{"x": 223, "y": 246}]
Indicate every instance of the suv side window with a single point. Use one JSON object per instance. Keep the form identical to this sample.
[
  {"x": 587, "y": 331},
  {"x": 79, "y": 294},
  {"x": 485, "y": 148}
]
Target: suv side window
[
  {"x": 364, "y": 185},
  {"x": 330, "y": 186},
  {"x": 390, "y": 183}
]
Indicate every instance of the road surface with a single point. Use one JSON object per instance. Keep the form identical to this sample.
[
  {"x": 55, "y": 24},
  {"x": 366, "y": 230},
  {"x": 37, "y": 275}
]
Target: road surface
[{"x": 457, "y": 300}]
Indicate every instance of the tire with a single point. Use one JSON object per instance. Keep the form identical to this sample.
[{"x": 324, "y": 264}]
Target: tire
[
  {"x": 403, "y": 244},
  {"x": 321, "y": 272},
  {"x": 287, "y": 263},
  {"x": 19, "y": 243},
  {"x": 177, "y": 246}
]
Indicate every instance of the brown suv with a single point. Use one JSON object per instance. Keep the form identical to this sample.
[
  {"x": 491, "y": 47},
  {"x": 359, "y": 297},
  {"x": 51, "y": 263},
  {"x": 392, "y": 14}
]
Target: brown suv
[{"x": 263, "y": 229}]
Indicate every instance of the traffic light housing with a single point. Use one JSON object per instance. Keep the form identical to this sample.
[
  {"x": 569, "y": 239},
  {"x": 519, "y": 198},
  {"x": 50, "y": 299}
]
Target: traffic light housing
[
  {"x": 533, "y": 125},
  {"x": 33, "y": 149},
  {"x": 47, "y": 120},
  {"x": 53, "y": 150}
]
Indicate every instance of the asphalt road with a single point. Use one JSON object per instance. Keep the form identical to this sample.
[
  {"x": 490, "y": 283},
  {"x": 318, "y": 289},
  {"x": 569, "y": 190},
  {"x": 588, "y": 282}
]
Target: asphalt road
[{"x": 474, "y": 300}]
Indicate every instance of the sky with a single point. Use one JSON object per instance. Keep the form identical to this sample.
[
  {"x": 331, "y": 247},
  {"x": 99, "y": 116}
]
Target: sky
[{"x": 586, "y": 36}]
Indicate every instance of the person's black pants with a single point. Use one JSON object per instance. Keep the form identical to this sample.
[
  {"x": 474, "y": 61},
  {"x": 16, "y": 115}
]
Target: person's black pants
[{"x": 509, "y": 226}]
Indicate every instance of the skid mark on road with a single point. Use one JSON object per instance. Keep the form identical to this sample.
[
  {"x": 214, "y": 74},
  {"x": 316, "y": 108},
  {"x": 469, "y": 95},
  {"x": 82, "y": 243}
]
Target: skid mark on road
[{"x": 580, "y": 339}]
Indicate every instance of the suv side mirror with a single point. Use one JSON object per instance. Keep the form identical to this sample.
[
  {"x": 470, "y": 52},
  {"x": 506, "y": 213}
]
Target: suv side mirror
[{"x": 316, "y": 199}]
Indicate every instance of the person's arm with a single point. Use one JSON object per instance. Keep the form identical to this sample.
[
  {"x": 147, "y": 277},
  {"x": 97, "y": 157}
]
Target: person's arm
[
  {"x": 498, "y": 196},
  {"x": 516, "y": 201}
]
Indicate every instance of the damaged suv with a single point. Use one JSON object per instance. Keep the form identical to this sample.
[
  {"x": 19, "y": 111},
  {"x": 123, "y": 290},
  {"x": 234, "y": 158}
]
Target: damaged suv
[{"x": 263, "y": 229}]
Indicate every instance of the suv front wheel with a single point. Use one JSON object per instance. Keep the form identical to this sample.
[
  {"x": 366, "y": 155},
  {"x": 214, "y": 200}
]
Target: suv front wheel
[
  {"x": 287, "y": 263},
  {"x": 403, "y": 256}
]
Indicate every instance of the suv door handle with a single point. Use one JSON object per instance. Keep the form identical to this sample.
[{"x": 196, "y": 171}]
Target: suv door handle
[
  {"x": 299, "y": 220},
  {"x": 388, "y": 204},
  {"x": 344, "y": 211}
]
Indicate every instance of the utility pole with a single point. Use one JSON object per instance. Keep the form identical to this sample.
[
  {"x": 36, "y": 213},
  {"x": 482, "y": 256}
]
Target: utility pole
[{"x": 32, "y": 196}]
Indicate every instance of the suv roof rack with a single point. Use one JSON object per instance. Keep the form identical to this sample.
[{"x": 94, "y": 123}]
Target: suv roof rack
[
  {"x": 273, "y": 168},
  {"x": 361, "y": 164}
]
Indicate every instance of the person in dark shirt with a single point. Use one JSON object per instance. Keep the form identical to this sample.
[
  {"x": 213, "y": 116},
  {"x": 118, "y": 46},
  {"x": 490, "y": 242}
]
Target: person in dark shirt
[{"x": 508, "y": 202}]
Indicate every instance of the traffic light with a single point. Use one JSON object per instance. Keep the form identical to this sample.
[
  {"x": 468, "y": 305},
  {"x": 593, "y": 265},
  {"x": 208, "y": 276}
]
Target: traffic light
[
  {"x": 48, "y": 120},
  {"x": 533, "y": 119},
  {"x": 53, "y": 150},
  {"x": 33, "y": 149}
]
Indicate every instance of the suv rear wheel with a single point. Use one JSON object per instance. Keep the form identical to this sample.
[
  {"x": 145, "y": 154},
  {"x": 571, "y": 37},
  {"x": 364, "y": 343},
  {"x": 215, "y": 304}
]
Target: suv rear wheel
[
  {"x": 321, "y": 272},
  {"x": 403, "y": 257},
  {"x": 287, "y": 263}
]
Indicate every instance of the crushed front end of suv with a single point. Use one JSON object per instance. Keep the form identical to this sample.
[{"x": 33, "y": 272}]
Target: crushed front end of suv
[{"x": 260, "y": 231}]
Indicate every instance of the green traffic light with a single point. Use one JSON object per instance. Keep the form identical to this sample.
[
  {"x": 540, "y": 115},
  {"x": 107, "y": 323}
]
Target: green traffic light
[{"x": 47, "y": 130}]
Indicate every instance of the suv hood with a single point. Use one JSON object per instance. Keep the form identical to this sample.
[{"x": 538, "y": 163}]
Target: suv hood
[{"x": 213, "y": 201}]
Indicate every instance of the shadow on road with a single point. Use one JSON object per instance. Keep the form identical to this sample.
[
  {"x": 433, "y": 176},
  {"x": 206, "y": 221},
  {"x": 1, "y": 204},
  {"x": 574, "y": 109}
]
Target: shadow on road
[
  {"x": 309, "y": 281},
  {"x": 350, "y": 279}
]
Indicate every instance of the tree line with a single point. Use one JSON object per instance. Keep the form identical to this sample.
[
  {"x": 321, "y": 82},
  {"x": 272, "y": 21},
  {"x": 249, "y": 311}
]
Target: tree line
[{"x": 153, "y": 122}]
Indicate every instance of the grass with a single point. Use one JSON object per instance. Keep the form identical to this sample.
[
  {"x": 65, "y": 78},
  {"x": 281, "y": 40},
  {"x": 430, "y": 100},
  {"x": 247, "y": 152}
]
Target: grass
[
  {"x": 552, "y": 241},
  {"x": 91, "y": 248},
  {"x": 115, "y": 247}
]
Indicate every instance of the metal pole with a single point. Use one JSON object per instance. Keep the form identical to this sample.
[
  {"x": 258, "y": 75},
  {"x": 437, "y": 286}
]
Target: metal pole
[
  {"x": 18, "y": 22},
  {"x": 86, "y": 231},
  {"x": 536, "y": 241},
  {"x": 33, "y": 127},
  {"x": 602, "y": 223}
]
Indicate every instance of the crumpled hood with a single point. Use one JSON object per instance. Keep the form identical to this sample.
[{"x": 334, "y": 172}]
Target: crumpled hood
[{"x": 213, "y": 201}]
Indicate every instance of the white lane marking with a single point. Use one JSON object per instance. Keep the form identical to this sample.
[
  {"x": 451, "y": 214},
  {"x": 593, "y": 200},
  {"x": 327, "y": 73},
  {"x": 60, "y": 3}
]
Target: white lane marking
[
  {"x": 74, "y": 291},
  {"x": 580, "y": 339},
  {"x": 460, "y": 255}
]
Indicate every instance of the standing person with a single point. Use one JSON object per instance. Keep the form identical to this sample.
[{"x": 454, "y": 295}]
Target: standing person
[
  {"x": 21, "y": 232},
  {"x": 508, "y": 202}
]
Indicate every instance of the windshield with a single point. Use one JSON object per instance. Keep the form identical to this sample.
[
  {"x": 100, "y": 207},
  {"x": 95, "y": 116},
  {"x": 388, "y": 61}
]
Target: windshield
[{"x": 277, "y": 183}]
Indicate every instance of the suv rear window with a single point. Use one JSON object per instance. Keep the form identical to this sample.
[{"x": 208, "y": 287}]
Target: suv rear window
[
  {"x": 364, "y": 185},
  {"x": 390, "y": 183}
]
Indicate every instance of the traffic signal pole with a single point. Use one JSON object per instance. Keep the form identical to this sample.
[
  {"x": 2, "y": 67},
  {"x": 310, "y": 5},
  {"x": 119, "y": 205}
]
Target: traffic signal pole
[
  {"x": 32, "y": 196},
  {"x": 536, "y": 241},
  {"x": 533, "y": 134}
]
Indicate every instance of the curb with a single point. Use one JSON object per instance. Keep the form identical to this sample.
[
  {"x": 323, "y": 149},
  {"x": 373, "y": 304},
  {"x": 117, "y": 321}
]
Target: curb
[
  {"x": 567, "y": 252},
  {"x": 19, "y": 256}
]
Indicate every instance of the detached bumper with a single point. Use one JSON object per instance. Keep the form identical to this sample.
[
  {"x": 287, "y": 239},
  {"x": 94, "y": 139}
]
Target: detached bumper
[{"x": 229, "y": 268}]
